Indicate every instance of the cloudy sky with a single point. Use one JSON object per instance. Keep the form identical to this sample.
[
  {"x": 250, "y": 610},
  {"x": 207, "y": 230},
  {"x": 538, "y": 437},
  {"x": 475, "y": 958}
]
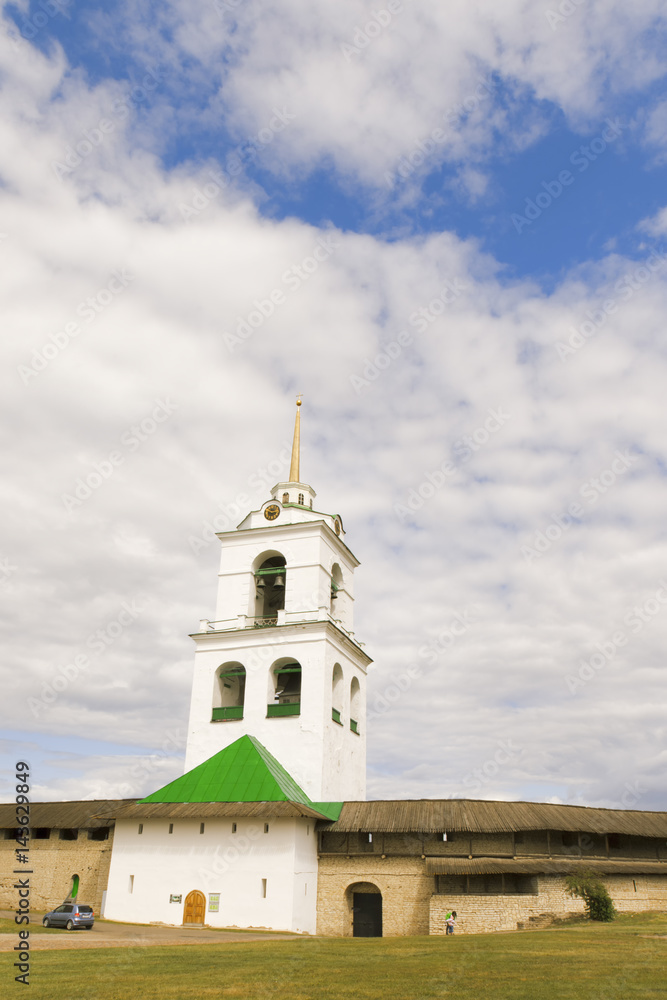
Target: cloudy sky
[{"x": 446, "y": 225}]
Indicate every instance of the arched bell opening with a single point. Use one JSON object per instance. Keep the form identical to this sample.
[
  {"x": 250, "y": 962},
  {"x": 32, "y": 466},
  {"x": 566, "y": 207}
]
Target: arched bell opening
[
  {"x": 284, "y": 688},
  {"x": 228, "y": 692},
  {"x": 355, "y": 704},
  {"x": 336, "y": 585},
  {"x": 337, "y": 694},
  {"x": 270, "y": 582}
]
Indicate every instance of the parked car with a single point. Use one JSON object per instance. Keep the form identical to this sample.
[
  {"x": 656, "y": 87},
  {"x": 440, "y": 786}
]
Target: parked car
[{"x": 71, "y": 916}]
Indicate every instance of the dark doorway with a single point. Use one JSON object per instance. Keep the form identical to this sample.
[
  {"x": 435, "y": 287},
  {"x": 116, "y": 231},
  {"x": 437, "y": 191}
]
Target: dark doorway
[{"x": 367, "y": 914}]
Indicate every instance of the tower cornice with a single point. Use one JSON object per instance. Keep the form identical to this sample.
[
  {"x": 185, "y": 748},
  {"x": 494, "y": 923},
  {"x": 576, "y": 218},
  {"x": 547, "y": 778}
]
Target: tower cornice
[
  {"x": 292, "y": 529},
  {"x": 320, "y": 628}
]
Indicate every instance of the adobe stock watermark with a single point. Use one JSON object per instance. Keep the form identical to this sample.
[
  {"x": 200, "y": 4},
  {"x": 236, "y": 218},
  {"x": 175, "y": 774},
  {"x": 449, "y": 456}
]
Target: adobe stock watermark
[
  {"x": 364, "y": 34},
  {"x": 464, "y": 449},
  {"x": 421, "y": 149},
  {"x": 292, "y": 279},
  {"x": 445, "y": 639},
  {"x": 420, "y": 319},
  {"x": 98, "y": 642},
  {"x": 508, "y": 752},
  {"x": 226, "y": 858},
  {"x": 235, "y": 162},
  {"x": 625, "y": 288},
  {"x": 566, "y": 8},
  {"x": 399, "y": 683},
  {"x": 151, "y": 766},
  {"x": 592, "y": 490},
  {"x": 636, "y": 619},
  {"x": 130, "y": 441},
  {"x": 582, "y": 158},
  {"x": 7, "y": 570},
  {"x": 88, "y": 309},
  {"x": 229, "y": 514},
  {"x": 92, "y": 138},
  {"x": 393, "y": 692},
  {"x": 223, "y": 7},
  {"x": 33, "y": 24}
]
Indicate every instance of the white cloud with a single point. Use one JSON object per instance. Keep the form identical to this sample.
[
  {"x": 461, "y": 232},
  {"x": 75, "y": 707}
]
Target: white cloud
[
  {"x": 480, "y": 344},
  {"x": 366, "y": 88}
]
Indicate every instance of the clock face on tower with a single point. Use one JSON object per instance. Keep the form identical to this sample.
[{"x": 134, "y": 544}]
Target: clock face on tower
[{"x": 272, "y": 512}]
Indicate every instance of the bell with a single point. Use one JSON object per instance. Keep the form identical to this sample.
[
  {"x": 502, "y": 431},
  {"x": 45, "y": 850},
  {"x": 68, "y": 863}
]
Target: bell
[{"x": 279, "y": 582}]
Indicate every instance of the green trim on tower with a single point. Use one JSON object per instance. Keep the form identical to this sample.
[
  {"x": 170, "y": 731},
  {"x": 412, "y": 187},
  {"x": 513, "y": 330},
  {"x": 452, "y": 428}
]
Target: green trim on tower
[{"x": 245, "y": 771}]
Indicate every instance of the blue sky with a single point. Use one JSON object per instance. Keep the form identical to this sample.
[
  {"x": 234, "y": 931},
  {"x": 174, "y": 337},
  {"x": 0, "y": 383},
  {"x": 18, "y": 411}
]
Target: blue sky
[
  {"x": 598, "y": 213},
  {"x": 166, "y": 168}
]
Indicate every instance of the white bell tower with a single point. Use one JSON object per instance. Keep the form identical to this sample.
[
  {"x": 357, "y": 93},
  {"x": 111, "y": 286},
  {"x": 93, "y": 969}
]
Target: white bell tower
[{"x": 281, "y": 661}]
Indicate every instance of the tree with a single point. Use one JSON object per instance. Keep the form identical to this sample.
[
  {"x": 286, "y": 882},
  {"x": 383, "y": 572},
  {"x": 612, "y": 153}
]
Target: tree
[{"x": 598, "y": 903}]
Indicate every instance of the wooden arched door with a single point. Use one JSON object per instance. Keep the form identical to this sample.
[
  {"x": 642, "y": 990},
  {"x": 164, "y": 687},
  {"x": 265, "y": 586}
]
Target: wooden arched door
[{"x": 195, "y": 908}]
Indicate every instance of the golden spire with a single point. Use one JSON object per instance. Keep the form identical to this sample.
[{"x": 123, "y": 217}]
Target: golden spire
[{"x": 296, "y": 444}]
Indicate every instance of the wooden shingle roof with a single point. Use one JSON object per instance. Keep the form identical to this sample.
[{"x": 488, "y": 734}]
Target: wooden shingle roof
[{"x": 474, "y": 816}]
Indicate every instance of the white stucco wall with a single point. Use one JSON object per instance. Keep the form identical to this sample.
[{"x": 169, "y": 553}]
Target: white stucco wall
[
  {"x": 217, "y": 861},
  {"x": 327, "y": 760}
]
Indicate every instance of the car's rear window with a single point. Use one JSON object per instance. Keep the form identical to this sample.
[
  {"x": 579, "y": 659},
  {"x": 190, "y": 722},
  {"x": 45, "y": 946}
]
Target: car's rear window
[{"x": 85, "y": 909}]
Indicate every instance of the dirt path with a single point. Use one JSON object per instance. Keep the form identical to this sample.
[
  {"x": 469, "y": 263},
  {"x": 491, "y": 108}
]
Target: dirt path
[{"x": 111, "y": 935}]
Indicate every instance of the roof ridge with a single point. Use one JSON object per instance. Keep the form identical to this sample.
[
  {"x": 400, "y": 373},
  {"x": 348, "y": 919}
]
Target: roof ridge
[{"x": 244, "y": 771}]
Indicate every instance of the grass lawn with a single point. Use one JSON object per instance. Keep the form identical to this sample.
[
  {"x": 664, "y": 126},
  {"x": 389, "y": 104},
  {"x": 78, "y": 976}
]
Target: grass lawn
[
  {"x": 7, "y": 926},
  {"x": 576, "y": 962}
]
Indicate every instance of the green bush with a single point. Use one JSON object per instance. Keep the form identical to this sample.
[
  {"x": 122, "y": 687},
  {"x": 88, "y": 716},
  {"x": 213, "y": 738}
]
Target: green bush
[{"x": 598, "y": 904}]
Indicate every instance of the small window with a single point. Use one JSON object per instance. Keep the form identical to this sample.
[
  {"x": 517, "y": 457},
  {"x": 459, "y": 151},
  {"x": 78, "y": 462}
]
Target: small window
[
  {"x": 311, "y": 503},
  {"x": 263, "y": 888},
  {"x": 201, "y": 827},
  {"x": 69, "y": 834},
  {"x": 285, "y": 497},
  {"x": 233, "y": 827},
  {"x": 301, "y": 499},
  {"x": 140, "y": 830},
  {"x": 41, "y": 833},
  {"x": 101, "y": 833},
  {"x": 266, "y": 828},
  {"x": 130, "y": 887},
  {"x": 615, "y": 841},
  {"x": 365, "y": 842},
  {"x": 171, "y": 828}
]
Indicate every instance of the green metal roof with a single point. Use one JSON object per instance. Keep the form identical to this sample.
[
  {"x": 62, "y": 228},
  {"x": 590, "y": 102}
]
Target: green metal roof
[{"x": 245, "y": 771}]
